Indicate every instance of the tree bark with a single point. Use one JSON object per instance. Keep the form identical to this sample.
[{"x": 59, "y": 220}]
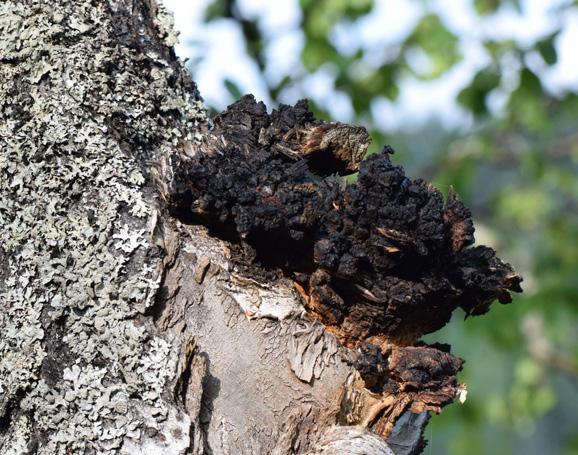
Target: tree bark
[{"x": 125, "y": 330}]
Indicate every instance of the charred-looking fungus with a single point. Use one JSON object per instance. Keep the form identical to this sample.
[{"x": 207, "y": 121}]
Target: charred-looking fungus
[{"x": 380, "y": 262}]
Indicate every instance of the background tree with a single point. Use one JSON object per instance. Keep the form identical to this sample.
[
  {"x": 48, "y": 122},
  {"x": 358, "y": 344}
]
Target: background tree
[{"x": 513, "y": 157}]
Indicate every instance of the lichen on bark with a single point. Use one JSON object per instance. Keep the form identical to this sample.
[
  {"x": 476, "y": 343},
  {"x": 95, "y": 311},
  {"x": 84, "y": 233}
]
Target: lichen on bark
[{"x": 88, "y": 93}]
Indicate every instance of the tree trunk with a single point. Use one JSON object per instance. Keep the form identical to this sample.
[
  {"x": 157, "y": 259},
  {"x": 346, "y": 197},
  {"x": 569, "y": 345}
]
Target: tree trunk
[{"x": 125, "y": 330}]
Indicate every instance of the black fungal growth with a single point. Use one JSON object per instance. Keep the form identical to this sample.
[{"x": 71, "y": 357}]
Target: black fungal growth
[{"x": 385, "y": 258}]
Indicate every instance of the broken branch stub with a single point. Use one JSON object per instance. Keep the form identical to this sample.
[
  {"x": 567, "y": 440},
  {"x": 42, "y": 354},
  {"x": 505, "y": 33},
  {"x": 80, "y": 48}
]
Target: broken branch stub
[{"x": 379, "y": 262}]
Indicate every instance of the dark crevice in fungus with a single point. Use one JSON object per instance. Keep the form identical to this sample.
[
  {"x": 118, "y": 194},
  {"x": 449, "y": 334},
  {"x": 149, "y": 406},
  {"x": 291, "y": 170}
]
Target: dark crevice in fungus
[{"x": 380, "y": 262}]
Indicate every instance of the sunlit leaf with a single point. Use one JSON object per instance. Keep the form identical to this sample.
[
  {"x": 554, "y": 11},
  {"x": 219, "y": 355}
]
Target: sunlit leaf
[
  {"x": 316, "y": 53},
  {"x": 439, "y": 44}
]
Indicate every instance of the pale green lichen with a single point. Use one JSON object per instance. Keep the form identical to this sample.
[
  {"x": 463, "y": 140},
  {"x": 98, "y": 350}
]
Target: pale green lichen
[
  {"x": 79, "y": 114},
  {"x": 164, "y": 22}
]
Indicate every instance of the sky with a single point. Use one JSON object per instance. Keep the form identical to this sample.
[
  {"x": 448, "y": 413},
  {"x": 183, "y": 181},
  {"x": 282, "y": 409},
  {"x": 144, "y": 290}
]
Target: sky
[{"x": 222, "y": 45}]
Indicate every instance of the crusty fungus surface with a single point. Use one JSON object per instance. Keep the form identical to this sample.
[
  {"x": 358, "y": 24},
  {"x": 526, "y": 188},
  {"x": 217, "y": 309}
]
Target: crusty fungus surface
[{"x": 379, "y": 262}]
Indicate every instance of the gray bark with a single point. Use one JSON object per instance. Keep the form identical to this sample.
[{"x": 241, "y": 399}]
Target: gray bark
[{"x": 123, "y": 331}]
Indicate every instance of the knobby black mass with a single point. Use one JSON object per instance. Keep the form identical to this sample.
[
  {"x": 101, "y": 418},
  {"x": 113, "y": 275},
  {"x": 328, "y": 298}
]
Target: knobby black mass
[{"x": 382, "y": 259}]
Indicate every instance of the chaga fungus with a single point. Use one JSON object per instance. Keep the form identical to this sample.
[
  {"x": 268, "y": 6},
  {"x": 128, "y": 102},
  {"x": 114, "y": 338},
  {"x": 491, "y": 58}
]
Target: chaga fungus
[
  {"x": 383, "y": 259},
  {"x": 380, "y": 262},
  {"x": 415, "y": 378}
]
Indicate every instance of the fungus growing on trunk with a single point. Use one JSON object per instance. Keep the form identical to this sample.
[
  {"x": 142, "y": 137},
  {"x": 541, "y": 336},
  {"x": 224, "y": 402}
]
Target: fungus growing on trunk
[{"x": 379, "y": 262}]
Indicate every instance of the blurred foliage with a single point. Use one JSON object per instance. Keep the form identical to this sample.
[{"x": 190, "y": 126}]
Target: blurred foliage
[{"x": 515, "y": 165}]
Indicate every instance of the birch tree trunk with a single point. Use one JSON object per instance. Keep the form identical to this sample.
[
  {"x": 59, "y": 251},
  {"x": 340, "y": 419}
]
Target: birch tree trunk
[{"x": 125, "y": 331}]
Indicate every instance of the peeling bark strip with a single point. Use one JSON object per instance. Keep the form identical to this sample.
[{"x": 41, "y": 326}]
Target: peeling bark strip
[{"x": 384, "y": 259}]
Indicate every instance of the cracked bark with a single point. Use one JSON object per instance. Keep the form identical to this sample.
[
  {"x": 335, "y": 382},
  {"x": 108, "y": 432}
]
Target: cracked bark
[{"x": 143, "y": 314}]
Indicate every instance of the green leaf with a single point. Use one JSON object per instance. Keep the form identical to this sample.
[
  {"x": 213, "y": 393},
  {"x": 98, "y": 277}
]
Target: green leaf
[
  {"x": 474, "y": 97},
  {"x": 216, "y": 10},
  {"x": 439, "y": 44},
  {"x": 547, "y": 49},
  {"x": 317, "y": 52},
  {"x": 526, "y": 104},
  {"x": 530, "y": 84},
  {"x": 357, "y": 8},
  {"x": 233, "y": 89},
  {"x": 497, "y": 49},
  {"x": 486, "y": 6},
  {"x": 278, "y": 89}
]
